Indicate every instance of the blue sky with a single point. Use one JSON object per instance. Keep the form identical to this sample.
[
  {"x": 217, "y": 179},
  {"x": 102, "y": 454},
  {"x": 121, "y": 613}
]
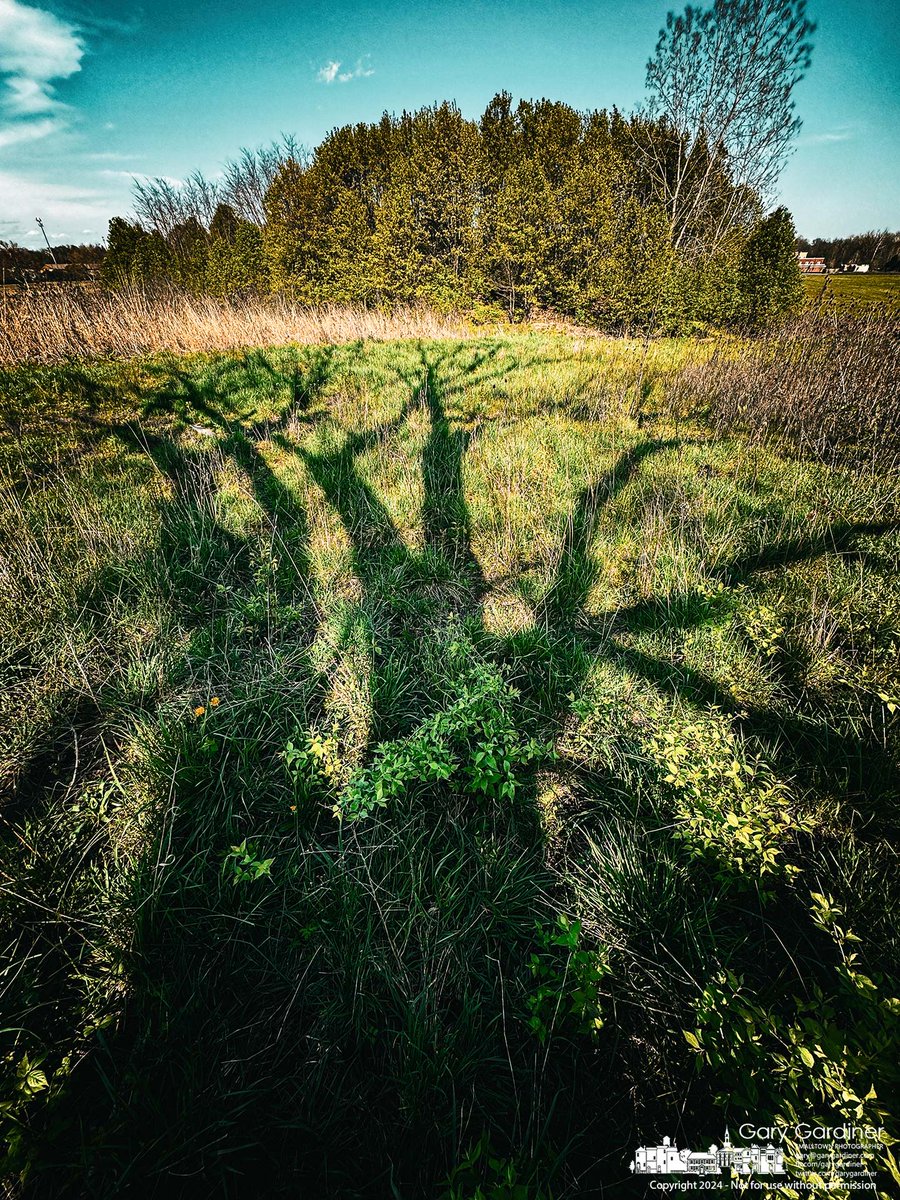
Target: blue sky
[{"x": 93, "y": 92}]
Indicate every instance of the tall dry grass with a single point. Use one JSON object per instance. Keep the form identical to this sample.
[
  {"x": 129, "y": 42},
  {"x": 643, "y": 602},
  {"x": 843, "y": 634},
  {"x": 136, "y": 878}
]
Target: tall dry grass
[
  {"x": 828, "y": 383},
  {"x": 55, "y": 323}
]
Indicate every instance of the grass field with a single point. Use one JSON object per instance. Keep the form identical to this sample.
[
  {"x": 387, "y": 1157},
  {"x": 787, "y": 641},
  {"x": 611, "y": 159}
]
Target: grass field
[
  {"x": 854, "y": 291},
  {"x": 434, "y": 769}
]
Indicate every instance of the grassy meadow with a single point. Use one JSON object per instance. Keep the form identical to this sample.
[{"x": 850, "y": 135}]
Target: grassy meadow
[
  {"x": 853, "y": 291},
  {"x": 435, "y": 767}
]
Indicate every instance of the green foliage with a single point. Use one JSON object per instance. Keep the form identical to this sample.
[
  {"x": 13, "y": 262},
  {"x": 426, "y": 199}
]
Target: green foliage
[
  {"x": 823, "y": 1058},
  {"x": 485, "y": 1175},
  {"x": 475, "y": 743},
  {"x": 567, "y": 979},
  {"x": 242, "y": 865},
  {"x": 246, "y": 589},
  {"x": 727, "y": 803},
  {"x": 771, "y": 286},
  {"x": 235, "y": 262},
  {"x": 314, "y": 763},
  {"x": 534, "y": 207}
]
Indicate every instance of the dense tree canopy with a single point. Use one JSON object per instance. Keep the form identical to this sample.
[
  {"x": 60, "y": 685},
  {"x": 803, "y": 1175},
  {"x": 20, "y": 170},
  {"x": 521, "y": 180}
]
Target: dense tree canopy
[{"x": 535, "y": 206}]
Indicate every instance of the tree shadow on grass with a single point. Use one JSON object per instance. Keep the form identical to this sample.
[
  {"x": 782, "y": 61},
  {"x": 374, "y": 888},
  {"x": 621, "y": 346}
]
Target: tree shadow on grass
[
  {"x": 349, "y": 1029},
  {"x": 208, "y": 577}
]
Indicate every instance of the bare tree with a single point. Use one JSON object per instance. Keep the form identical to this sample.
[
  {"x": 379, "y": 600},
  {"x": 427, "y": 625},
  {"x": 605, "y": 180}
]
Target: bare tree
[
  {"x": 163, "y": 204},
  {"x": 721, "y": 83},
  {"x": 247, "y": 178}
]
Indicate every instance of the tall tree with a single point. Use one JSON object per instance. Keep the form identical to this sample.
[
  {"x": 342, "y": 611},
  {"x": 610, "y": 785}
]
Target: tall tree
[{"x": 722, "y": 81}]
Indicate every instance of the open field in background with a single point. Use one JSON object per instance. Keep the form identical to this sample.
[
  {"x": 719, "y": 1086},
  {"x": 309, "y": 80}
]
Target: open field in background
[
  {"x": 445, "y": 764},
  {"x": 853, "y": 291}
]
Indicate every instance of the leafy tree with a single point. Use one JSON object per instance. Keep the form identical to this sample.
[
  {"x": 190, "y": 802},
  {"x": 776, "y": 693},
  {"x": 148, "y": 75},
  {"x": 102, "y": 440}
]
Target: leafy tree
[
  {"x": 236, "y": 263},
  {"x": 770, "y": 283},
  {"x": 519, "y": 224},
  {"x": 122, "y": 243},
  {"x": 188, "y": 244},
  {"x": 292, "y": 233},
  {"x": 135, "y": 256},
  {"x": 650, "y": 222},
  {"x": 223, "y": 226}
]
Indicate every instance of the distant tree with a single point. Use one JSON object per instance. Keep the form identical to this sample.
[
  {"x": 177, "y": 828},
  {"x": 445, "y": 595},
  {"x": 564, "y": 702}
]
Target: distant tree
[
  {"x": 721, "y": 85},
  {"x": 163, "y": 204},
  {"x": 518, "y": 226},
  {"x": 224, "y": 224},
  {"x": 646, "y": 222},
  {"x": 247, "y": 178},
  {"x": 292, "y": 236},
  {"x": 879, "y": 248},
  {"x": 770, "y": 283}
]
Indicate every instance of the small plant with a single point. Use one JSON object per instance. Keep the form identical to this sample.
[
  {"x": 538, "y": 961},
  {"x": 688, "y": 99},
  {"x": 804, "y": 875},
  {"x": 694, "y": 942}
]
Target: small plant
[
  {"x": 314, "y": 762},
  {"x": 567, "y": 977},
  {"x": 475, "y": 741},
  {"x": 764, "y": 628},
  {"x": 244, "y": 865},
  {"x": 726, "y": 802},
  {"x": 830, "y": 1054},
  {"x": 484, "y": 1175},
  {"x": 24, "y": 1083}
]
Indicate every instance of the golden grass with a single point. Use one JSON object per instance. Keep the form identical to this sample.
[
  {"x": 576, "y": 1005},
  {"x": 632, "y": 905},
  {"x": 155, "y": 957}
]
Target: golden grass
[{"x": 53, "y": 324}]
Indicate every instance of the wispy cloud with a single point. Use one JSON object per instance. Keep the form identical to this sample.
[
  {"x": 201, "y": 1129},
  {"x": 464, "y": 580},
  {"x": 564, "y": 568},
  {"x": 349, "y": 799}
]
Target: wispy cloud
[
  {"x": 842, "y": 134},
  {"x": 27, "y": 131},
  {"x": 332, "y": 73},
  {"x": 61, "y": 205},
  {"x": 112, "y": 156},
  {"x": 329, "y": 72},
  {"x": 37, "y": 49},
  {"x": 140, "y": 177}
]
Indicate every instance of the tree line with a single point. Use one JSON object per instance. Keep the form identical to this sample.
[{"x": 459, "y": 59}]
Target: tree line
[
  {"x": 20, "y": 264},
  {"x": 656, "y": 220},
  {"x": 878, "y": 249}
]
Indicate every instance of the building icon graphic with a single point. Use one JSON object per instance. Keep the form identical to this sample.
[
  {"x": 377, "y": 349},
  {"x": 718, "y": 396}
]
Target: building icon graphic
[{"x": 667, "y": 1159}]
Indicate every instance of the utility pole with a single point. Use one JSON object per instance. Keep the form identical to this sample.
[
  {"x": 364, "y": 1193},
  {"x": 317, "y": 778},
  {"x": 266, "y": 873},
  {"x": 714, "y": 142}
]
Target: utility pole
[{"x": 46, "y": 239}]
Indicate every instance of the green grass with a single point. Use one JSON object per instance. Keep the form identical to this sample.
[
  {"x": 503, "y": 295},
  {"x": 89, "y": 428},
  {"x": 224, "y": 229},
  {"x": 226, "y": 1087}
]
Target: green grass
[
  {"x": 854, "y": 291},
  {"x": 419, "y": 756}
]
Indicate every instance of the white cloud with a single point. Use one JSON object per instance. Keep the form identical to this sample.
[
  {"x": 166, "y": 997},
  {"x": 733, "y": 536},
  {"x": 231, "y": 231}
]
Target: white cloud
[
  {"x": 27, "y": 131},
  {"x": 832, "y": 135},
  {"x": 111, "y": 156},
  {"x": 37, "y": 49},
  {"x": 62, "y": 206},
  {"x": 332, "y": 73},
  {"x": 132, "y": 175},
  {"x": 328, "y": 73}
]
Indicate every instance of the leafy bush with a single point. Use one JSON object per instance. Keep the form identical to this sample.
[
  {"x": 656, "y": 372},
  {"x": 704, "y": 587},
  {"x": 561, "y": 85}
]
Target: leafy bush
[
  {"x": 727, "y": 803},
  {"x": 828, "y": 1057},
  {"x": 476, "y": 742}
]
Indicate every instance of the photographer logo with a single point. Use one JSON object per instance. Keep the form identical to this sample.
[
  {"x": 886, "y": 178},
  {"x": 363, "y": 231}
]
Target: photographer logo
[{"x": 667, "y": 1159}]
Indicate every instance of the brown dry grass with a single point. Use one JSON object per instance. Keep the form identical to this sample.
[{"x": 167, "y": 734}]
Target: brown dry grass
[
  {"x": 827, "y": 383},
  {"x": 54, "y": 324}
]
